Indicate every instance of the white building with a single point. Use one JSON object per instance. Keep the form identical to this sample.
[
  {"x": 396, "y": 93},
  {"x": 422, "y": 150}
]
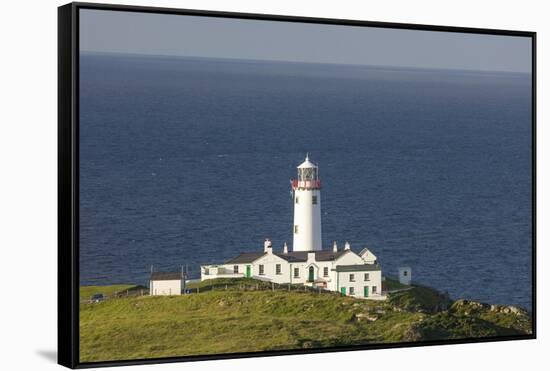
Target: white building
[
  {"x": 405, "y": 275},
  {"x": 341, "y": 270},
  {"x": 162, "y": 283}
]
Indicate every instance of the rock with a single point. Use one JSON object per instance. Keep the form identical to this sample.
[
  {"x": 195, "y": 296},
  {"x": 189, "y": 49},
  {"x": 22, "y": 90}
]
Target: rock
[
  {"x": 516, "y": 310},
  {"x": 467, "y": 307},
  {"x": 361, "y": 316},
  {"x": 412, "y": 334}
]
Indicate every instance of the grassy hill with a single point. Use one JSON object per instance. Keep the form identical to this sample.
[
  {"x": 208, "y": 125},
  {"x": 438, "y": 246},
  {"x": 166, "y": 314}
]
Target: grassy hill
[
  {"x": 246, "y": 316},
  {"x": 86, "y": 292}
]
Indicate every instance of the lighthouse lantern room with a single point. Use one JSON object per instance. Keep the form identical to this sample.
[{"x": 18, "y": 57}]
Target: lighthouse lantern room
[{"x": 307, "y": 208}]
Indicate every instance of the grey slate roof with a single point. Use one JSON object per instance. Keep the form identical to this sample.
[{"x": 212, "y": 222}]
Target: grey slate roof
[
  {"x": 166, "y": 276},
  {"x": 329, "y": 255},
  {"x": 357, "y": 268},
  {"x": 291, "y": 257},
  {"x": 301, "y": 256},
  {"x": 363, "y": 251},
  {"x": 245, "y": 257}
]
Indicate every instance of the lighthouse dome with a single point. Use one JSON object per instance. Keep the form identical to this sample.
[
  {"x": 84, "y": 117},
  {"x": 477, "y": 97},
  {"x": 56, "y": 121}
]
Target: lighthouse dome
[
  {"x": 308, "y": 172},
  {"x": 307, "y": 164}
]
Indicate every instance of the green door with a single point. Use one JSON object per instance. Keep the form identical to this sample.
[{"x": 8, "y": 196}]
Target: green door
[
  {"x": 343, "y": 291},
  {"x": 248, "y": 271},
  {"x": 366, "y": 293},
  {"x": 311, "y": 274}
]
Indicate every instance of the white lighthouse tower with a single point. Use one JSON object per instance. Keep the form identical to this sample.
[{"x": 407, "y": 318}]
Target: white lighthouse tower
[{"x": 307, "y": 208}]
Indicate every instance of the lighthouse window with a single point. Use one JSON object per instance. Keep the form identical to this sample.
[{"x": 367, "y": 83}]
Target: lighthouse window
[
  {"x": 314, "y": 200},
  {"x": 352, "y": 278},
  {"x": 277, "y": 268},
  {"x": 295, "y": 229},
  {"x": 296, "y": 272},
  {"x": 325, "y": 271},
  {"x": 261, "y": 267},
  {"x": 296, "y": 199},
  {"x": 235, "y": 269},
  {"x": 307, "y": 174}
]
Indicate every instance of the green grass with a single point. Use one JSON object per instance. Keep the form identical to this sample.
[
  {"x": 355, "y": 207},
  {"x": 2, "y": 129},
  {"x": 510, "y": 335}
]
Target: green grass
[
  {"x": 420, "y": 299},
  {"x": 391, "y": 284},
  {"x": 226, "y": 321},
  {"x": 231, "y": 283},
  {"x": 87, "y": 291}
]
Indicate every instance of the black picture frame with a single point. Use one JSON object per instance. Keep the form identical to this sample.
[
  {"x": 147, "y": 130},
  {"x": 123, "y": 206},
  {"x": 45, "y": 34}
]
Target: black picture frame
[{"x": 68, "y": 179}]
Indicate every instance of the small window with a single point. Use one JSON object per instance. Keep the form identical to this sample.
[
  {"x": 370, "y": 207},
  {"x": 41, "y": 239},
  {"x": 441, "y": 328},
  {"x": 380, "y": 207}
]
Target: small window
[
  {"x": 261, "y": 267},
  {"x": 405, "y": 273},
  {"x": 235, "y": 269},
  {"x": 296, "y": 272},
  {"x": 352, "y": 277},
  {"x": 278, "y": 269},
  {"x": 325, "y": 271},
  {"x": 296, "y": 229},
  {"x": 314, "y": 200},
  {"x": 352, "y": 290},
  {"x": 297, "y": 200},
  {"x": 366, "y": 278},
  {"x": 374, "y": 289}
]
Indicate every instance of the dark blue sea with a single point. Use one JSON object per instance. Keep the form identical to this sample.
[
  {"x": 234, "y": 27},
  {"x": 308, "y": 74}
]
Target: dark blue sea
[{"x": 188, "y": 161}]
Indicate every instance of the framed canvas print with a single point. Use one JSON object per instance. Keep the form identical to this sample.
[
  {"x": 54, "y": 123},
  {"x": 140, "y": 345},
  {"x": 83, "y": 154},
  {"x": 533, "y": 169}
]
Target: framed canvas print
[{"x": 238, "y": 185}]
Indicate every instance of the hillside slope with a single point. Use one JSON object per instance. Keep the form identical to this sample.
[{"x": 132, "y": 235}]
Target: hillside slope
[{"x": 238, "y": 318}]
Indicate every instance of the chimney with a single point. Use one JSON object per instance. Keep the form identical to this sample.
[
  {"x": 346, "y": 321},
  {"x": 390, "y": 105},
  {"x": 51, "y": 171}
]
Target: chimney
[
  {"x": 334, "y": 247},
  {"x": 311, "y": 256},
  {"x": 347, "y": 246},
  {"x": 267, "y": 246},
  {"x": 285, "y": 249}
]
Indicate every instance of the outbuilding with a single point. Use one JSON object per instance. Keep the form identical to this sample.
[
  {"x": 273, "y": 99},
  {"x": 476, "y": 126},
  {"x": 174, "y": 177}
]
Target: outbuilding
[{"x": 165, "y": 283}]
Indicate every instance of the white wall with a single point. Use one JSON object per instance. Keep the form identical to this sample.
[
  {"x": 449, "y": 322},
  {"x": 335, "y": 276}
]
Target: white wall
[
  {"x": 349, "y": 258},
  {"x": 375, "y": 280},
  {"x": 405, "y": 275},
  {"x": 28, "y": 196},
  {"x": 369, "y": 257},
  {"x": 269, "y": 261},
  {"x": 165, "y": 287},
  {"x": 307, "y": 216}
]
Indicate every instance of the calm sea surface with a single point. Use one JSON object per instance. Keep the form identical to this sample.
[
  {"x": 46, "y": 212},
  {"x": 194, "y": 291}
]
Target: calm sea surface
[{"x": 188, "y": 161}]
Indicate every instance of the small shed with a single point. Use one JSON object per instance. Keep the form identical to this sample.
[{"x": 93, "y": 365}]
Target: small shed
[
  {"x": 405, "y": 275},
  {"x": 165, "y": 283}
]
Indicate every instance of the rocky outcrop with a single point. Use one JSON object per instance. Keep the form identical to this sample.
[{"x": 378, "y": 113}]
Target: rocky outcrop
[
  {"x": 467, "y": 307},
  {"x": 506, "y": 309},
  {"x": 420, "y": 299}
]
